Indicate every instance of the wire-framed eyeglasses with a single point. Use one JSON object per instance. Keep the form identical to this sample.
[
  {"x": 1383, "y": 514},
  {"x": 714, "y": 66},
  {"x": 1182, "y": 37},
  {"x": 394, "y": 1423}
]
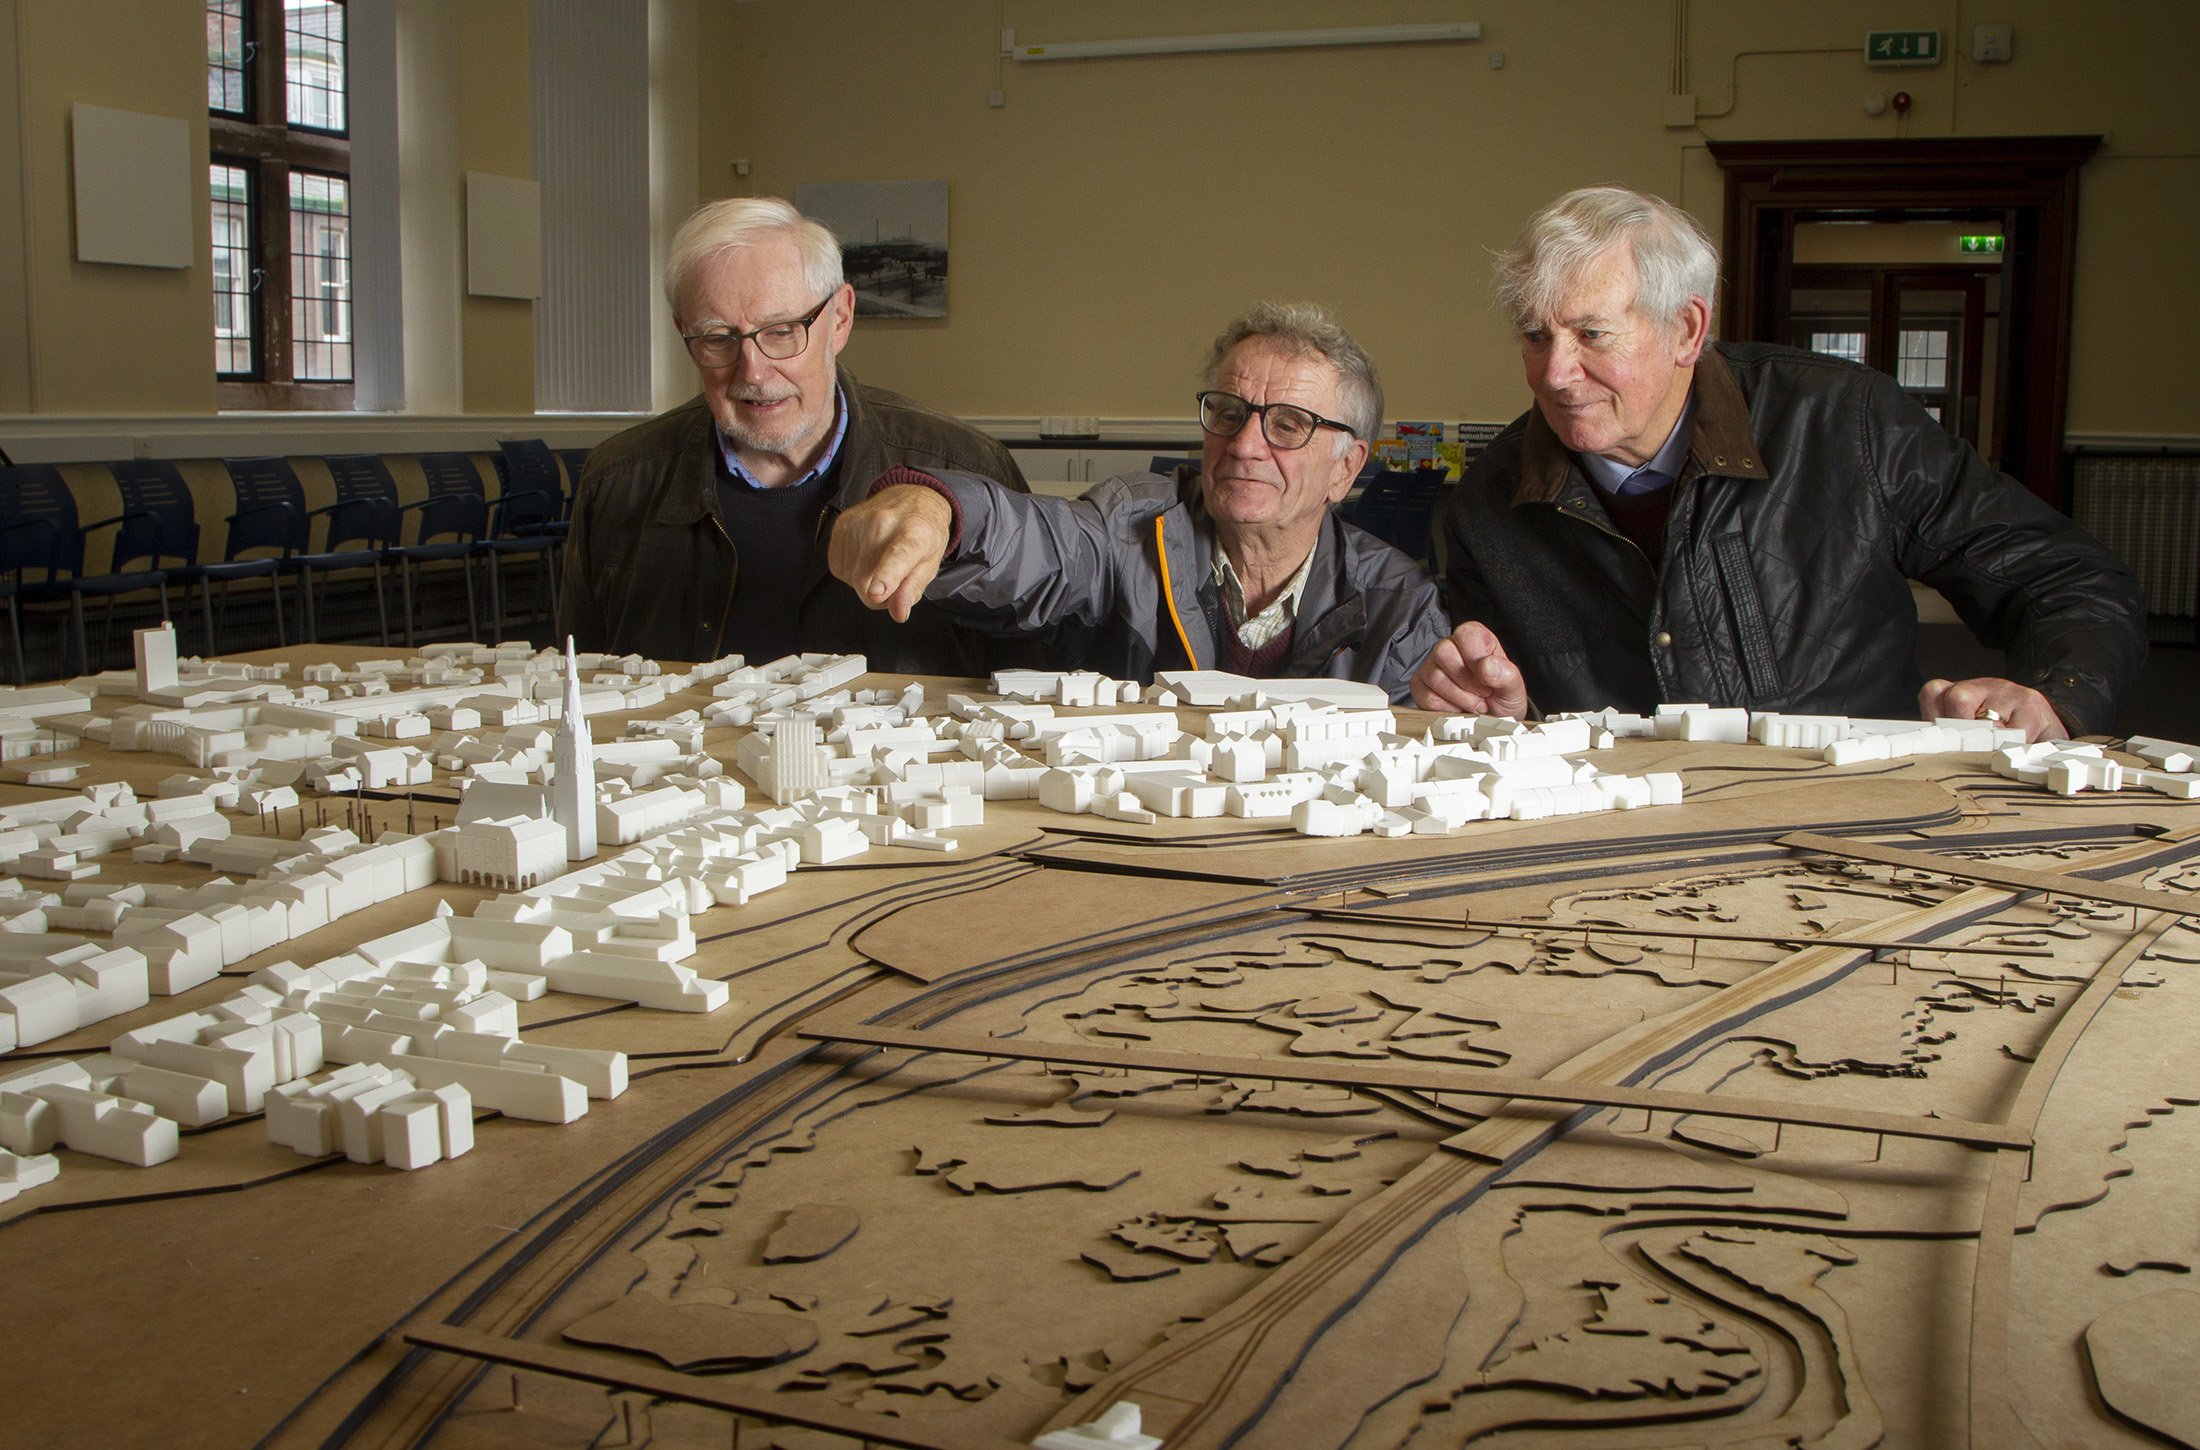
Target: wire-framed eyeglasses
[
  {"x": 1284, "y": 425},
  {"x": 776, "y": 340}
]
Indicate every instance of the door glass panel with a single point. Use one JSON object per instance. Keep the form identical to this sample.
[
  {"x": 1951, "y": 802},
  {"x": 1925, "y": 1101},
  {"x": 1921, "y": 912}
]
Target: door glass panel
[
  {"x": 1928, "y": 360},
  {"x": 1832, "y": 320}
]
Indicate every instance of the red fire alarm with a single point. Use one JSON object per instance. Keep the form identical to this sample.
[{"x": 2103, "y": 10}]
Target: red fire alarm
[{"x": 1901, "y": 103}]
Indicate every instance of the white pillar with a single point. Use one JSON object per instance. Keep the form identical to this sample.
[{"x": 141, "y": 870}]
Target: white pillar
[{"x": 377, "y": 236}]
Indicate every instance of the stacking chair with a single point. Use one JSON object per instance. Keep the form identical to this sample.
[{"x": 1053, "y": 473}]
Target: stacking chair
[
  {"x": 1167, "y": 466},
  {"x": 524, "y": 520},
  {"x": 160, "y": 525},
  {"x": 271, "y": 514},
  {"x": 528, "y": 465},
  {"x": 575, "y": 460},
  {"x": 35, "y": 502},
  {"x": 25, "y": 543},
  {"x": 365, "y": 512},
  {"x": 1396, "y": 508},
  {"x": 455, "y": 507}
]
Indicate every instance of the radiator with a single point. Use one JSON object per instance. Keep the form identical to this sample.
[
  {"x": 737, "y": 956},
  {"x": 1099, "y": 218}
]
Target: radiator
[{"x": 2147, "y": 511}]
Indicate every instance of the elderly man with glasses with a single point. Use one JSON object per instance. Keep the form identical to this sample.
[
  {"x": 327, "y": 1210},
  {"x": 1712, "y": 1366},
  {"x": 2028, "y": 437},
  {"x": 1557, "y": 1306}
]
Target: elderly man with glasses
[
  {"x": 699, "y": 533},
  {"x": 1243, "y": 568}
]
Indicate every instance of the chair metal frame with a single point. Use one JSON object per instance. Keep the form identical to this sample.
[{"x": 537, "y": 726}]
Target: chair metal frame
[
  {"x": 365, "y": 510},
  {"x": 454, "y": 505},
  {"x": 271, "y": 514},
  {"x": 63, "y": 561}
]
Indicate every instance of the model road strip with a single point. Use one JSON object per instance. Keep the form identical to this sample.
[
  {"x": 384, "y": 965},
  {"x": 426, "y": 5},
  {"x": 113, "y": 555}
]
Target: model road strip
[
  {"x": 625, "y": 1374},
  {"x": 1430, "y": 1080},
  {"x": 1564, "y": 929},
  {"x": 2181, "y": 903}
]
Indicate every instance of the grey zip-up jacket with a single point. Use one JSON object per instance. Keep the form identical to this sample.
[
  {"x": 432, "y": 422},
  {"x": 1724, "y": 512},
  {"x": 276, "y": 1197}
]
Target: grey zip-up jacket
[{"x": 1125, "y": 575}]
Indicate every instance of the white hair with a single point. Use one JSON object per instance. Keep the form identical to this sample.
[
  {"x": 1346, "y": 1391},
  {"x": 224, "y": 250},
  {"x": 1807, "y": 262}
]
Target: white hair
[
  {"x": 1674, "y": 260},
  {"x": 1304, "y": 328},
  {"x": 743, "y": 221}
]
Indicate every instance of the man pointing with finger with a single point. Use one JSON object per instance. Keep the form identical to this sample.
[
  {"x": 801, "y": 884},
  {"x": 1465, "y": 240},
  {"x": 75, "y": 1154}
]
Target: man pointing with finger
[
  {"x": 1245, "y": 568},
  {"x": 1677, "y": 519},
  {"x": 700, "y": 533}
]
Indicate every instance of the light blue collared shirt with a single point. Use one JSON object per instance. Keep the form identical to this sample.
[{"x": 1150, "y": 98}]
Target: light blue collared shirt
[
  {"x": 1619, "y": 478},
  {"x": 824, "y": 463}
]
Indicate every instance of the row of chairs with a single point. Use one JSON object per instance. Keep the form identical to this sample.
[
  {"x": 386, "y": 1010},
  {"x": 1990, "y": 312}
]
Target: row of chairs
[{"x": 270, "y": 536}]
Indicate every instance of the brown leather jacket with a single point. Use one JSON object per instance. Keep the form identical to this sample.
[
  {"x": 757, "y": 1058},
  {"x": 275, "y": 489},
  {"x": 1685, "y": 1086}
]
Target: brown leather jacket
[{"x": 650, "y": 566}]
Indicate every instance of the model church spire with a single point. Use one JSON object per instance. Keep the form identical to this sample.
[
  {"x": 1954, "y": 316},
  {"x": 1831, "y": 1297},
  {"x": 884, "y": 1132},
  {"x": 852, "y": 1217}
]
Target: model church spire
[{"x": 573, "y": 789}]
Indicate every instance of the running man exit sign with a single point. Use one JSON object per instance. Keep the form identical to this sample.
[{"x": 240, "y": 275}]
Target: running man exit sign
[{"x": 1902, "y": 47}]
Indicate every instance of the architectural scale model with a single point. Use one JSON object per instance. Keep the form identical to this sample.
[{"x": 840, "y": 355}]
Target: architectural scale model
[{"x": 1075, "y": 1063}]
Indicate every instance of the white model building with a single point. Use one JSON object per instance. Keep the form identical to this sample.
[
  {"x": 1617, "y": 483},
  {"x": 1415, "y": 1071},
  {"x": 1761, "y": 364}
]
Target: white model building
[
  {"x": 156, "y": 658},
  {"x": 573, "y": 791},
  {"x": 511, "y": 854}
]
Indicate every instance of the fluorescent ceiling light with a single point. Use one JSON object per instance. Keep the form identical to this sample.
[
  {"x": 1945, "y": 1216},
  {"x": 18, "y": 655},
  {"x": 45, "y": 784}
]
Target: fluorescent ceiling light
[{"x": 1254, "y": 40}]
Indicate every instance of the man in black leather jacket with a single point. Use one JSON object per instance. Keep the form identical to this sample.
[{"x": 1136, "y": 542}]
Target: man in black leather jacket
[{"x": 1737, "y": 524}]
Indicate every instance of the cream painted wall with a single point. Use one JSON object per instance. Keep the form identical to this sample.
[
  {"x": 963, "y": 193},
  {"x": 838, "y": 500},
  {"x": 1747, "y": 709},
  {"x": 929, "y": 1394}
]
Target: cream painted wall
[
  {"x": 15, "y": 299},
  {"x": 490, "y": 47},
  {"x": 79, "y": 321},
  {"x": 431, "y": 207},
  {"x": 463, "y": 86},
  {"x": 1114, "y": 213}
]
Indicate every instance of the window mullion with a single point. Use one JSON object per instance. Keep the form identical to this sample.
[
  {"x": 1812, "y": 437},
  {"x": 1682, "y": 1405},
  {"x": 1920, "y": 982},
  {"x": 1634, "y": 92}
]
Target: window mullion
[{"x": 273, "y": 216}]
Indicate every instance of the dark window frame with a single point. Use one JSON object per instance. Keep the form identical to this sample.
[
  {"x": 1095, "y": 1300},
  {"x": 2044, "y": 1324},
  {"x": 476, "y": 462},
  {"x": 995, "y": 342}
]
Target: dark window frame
[{"x": 270, "y": 147}]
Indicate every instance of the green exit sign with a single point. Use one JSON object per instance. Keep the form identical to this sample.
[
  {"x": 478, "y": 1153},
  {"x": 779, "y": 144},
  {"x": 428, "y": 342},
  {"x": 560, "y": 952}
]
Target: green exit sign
[
  {"x": 1902, "y": 47},
  {"x": 1982, "y": 244}
]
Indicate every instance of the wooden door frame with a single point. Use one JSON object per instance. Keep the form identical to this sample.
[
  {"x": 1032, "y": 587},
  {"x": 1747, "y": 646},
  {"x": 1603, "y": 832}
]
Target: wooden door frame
[{"x": 2033, "y": 179}]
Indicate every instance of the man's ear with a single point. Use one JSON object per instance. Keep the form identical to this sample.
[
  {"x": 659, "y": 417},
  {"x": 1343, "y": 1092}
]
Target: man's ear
[
  {"x": 1355, "y": 459},
  {"x": 843, "y": 309},
  {"x": 1694, "y": 324}
]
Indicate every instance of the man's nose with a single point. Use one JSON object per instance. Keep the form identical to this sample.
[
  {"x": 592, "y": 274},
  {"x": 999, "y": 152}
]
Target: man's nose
[
  {"x": 1560, "y": 365},
  {"x": 752, "y": 366},
  {"x": 1250, "y": 441}
]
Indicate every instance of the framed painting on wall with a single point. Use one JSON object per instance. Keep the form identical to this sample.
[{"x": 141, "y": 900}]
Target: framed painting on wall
[{"x": 893, "y": 241}]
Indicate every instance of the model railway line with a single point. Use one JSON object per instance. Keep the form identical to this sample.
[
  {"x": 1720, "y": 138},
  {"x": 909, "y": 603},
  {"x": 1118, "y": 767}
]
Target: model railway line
[{"x": 1246, "y": 1353}]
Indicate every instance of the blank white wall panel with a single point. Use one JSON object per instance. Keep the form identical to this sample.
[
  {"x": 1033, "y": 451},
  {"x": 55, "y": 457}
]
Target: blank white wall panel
[
  {"x": 503, "y": 236},
  {"x": 133, "y": 187},
  {"x": 589, "y": 67}
]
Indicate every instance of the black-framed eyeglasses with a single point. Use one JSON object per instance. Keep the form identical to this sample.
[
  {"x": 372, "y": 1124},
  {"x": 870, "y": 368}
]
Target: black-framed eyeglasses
[
  {"x": 1284, "y": 425},
  {"x": 776, "y": 340}
]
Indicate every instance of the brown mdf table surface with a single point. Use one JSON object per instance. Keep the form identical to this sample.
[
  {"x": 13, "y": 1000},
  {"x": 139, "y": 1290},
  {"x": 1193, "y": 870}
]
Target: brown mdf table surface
[{"x": 827, "y": 1211}]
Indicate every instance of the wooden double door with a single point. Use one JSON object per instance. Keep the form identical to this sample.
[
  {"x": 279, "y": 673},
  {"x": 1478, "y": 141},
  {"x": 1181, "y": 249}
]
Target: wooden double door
[{"x": 1935, "y": 330}]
